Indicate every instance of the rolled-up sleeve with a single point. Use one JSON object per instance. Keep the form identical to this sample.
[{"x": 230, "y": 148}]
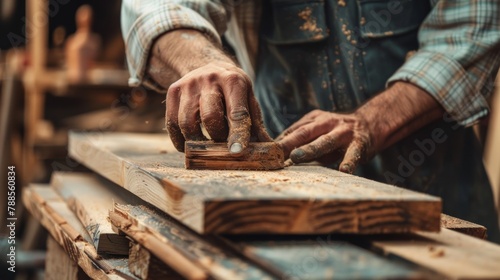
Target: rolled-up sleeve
[
  {"x": 142, "y": 21},
  {"x": 458, "y": 57}
]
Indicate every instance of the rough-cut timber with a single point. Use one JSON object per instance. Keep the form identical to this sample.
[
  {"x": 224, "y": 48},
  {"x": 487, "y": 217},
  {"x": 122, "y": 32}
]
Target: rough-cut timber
[
  {"x": 299, "y": 199},
  {"x": 91, "y": 200},
  {"x": 450, "y": 253},
  {"x": 53, "y": 213},
  {"x": 210, "y": 155},
  {"x": 180, "y": 248},
  {"x": 143, "y": 264},
  {"x": 285, "y": 257},
  {"x": 463, "y": 226}
]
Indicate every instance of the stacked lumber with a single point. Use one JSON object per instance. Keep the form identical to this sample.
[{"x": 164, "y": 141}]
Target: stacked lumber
[
  {"x": 152, "y": 222},
  {"x": 296, "y": 200}
]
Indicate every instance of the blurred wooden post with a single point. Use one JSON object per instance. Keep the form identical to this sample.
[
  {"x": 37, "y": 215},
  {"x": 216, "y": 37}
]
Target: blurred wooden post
[
  {"x": 36, "y": 32},
  {"x": 492, "y": 148}
]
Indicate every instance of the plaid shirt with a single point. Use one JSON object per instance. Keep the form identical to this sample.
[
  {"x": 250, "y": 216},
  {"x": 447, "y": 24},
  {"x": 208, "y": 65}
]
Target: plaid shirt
[{"x": 456, "y": 63}]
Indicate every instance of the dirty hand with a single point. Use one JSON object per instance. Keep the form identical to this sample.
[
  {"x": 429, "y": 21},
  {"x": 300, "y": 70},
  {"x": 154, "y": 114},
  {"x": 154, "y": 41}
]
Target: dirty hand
[
  {"x": 205, "y": 88},
  {"x": 322, "y": 135},
  {"x": 219, "y": 96},
  {"x": 387, "y": 118}
]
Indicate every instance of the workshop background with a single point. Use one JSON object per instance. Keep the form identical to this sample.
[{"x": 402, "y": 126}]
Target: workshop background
[{"x": 45, "y": 93}]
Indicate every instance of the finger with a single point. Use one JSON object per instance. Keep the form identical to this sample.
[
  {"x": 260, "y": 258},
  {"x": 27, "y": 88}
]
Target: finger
[
  {"x": 171, "y": 118},
  {"x": 258, "y": 127},
  {"x": 322, "y": 146},
  {"x": 306, "y": 119},
  {"x": 189, "y": 115},
  {"x": 299, "y": 137},
  {"x": 238, "y": 116},
  {"x": 212, "y": 115},
  {"x": 353, "y": 156}
]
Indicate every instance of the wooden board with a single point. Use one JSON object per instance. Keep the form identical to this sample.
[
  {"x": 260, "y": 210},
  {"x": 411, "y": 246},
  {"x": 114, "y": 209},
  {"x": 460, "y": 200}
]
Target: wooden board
[
  {"x": 91, "y": 201},
  {"x": 296, "y": 257},
  {"x": 52, "y": 212},
  {"x": 299, "y": 199},
  {"x": 147, "y": 266},
  {"x": 184, "y": 251},
  {"x": 58, "y": 265},
  {"x": 453, "y": 254},
  {"x": 463, "y": 226},
  {"x": 216, "y": 156}
]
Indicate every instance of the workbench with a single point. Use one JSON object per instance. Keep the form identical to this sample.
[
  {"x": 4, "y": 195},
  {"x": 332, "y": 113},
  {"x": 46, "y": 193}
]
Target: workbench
[{"x": 141, "y": 215}]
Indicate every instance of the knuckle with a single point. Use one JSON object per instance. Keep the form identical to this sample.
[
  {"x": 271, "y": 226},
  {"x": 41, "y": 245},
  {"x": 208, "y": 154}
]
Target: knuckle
[
  {"x": 302, "y": 134},
  {"x": 236, "y": 80},
  {"x": 239, "y": 113},
  {"x": 212, "y": 77},
  {"x": 174, "y": 89}
]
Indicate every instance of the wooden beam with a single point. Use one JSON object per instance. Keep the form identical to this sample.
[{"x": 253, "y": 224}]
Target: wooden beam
[
  {"x": 450, "y": 253},
  {"x": 58, "y": 265},
  {"x": 216, "y": 156},
  {"x": 296, "y": 200},
  {"x": 147, "y": 266},
  {"x": 463, "y": 226},
  {"x": 91, "y": 200},
  {"x": 52, "y": 212},
  {"x": 191, "y": 255},
  {"x": 293, "y": 257}
]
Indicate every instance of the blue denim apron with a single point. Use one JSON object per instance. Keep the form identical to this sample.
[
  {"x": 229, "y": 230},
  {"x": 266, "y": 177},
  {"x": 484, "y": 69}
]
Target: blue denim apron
[{"x": 334, "y": 55}]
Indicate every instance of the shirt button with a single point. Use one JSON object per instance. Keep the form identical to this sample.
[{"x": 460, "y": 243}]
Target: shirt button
[{"x": 133, "y": 82}]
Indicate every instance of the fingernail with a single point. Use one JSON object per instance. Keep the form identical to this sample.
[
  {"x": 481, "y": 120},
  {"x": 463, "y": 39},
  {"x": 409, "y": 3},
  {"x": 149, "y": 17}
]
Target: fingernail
[
  {"x": 236, "y": 148},
  {"x": 346, "y": 168},
  {"x": 297, "y": 154}
]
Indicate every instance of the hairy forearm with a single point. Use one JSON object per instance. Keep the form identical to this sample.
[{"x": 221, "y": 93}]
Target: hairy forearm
[
  {"x": 179, "y": 52},
  {"x": 397, "y": 112}
]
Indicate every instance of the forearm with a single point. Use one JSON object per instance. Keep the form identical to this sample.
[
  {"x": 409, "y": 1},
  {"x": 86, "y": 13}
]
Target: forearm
[
  {"x": 178, "y": 52},
  {"x": 398, "y": 112}
]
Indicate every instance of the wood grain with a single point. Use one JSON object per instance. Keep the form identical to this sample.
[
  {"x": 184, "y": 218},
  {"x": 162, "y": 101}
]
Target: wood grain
[
  {"x": 53, "y": 213},
  {"x": 214, "y": 156},
  {"x": 463, "y": 226},
  {"x": 58, "y": 265},
  {"x": 147, "y": 266},
  {"x": 91, "y": 201},
  {"x": 285, "y": 257},
  {"x": 296, "y": 200},
  {"x": 179, "y": 247},
  {"x": 450, "y": 253}
]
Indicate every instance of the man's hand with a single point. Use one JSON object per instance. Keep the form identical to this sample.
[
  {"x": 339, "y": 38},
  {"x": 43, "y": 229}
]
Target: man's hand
[
  {"x": 218, "y": 95},
  {"x": 327, "y": 136},
  {"x": 356, "y": 137},
  {"x": 209, "y": 90}
]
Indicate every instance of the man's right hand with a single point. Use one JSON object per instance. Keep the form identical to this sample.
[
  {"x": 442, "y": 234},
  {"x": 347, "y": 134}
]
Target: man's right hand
[{"x": 211, "y": 90}]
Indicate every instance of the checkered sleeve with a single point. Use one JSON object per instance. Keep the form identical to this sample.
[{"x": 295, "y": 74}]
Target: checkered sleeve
[
  {"x": 142, "y": 21},
  {"x": 458, "y": 58}
]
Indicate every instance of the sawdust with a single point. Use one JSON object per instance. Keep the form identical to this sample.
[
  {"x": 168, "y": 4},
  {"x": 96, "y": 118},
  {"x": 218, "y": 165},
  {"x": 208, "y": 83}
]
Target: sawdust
[
  {"x": 310, "y": 23},
  {"x": 436, "y": 252},
  {"x": 346, "y": 32}
]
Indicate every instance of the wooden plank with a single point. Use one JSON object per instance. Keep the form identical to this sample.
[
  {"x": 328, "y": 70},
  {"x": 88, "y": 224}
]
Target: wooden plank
[
  {"x": 52, "y": 212},
  {"x": 184, "y": 251},
  {"x": 299, "y": 199},
  {"x": 453, "y": 254},
  {"x": 286, "y": 258},
  {"x": 216, "y": 156},
  {"x": 463, "y": 226},
  {"x": 91, "y": 201},
  {"x": 58, "y": 265},
  {"x": 147, "y": 266}
]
